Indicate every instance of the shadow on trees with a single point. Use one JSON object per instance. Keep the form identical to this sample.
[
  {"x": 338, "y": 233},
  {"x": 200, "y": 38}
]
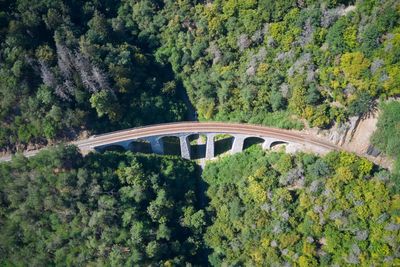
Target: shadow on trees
[
  {"x": 116, "y": 148},
  {"x": 197, "y": 146},
  {"x": 171, "y": 145},
  {"x": 223, "y": 144},
  {"x": 141, "y": 146}
]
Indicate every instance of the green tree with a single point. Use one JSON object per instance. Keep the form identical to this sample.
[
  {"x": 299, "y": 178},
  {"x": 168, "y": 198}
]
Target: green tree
[{"x": 105, "y": 103}]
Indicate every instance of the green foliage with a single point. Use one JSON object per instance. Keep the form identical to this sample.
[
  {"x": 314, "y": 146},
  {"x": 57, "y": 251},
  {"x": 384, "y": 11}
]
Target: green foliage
[
  {"x": 68, "y": 66},
  {"x": 264, "y": 208},
  {"x": 276, "y": 209},
  {"x": 362, "y": 105},
  {"x": 336, "y": 36},
  {"x": 387, "y": 135},
  {"x": 81, "y": 58},
  {"x": 59, "y": 208},
  {"x": 105, "y": 103},
  {"x": 240, "y": 60}
]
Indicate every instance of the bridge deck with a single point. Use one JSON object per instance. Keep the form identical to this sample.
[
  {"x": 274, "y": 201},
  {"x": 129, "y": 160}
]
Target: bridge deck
[{"x": 203, "y": 127}]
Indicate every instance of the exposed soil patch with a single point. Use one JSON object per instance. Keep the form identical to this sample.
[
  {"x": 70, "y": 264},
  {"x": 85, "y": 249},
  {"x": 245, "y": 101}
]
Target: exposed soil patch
[{"x": 355, "y": 136}]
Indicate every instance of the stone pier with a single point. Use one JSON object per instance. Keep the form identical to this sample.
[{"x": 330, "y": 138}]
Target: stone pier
[
  {"x": 268, "y": 142},
  {"x": 238, "y": 143},
  {"x": 157, "y": 145},
  {"x": 210, "y": 146},
  {"x": 185, "y": 146}
]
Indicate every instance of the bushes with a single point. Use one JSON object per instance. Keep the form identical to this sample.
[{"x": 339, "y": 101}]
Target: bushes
[
  {"x": 362, "y": 105},
  {"x": 311, "y": 55}
]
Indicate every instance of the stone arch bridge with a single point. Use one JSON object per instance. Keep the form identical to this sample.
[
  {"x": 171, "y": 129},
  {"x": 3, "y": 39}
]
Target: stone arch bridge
[{"x": 154, "y": 134}]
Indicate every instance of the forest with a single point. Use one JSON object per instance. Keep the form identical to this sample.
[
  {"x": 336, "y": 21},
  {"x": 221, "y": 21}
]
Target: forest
[
  {"x": 275, "y": 209},
  {"x": 74, "y": 68},
  {"x": 109, "y": 209},
  {"x": 322, "y": 61},
  {"x": 260, "y": 209}
]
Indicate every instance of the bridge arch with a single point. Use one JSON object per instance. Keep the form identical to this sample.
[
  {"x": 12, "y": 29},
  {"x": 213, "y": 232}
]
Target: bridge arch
[
  {"x": 277, "y": 144},
  {"x": 223, "y": 143},
  {"x": 198, "y": 145},
  {"x": 111, "y": 147},
  {"x": 170, "y": 145},
  {"x": 252, "y": 140},
  {"x": 141, "y": 145}
]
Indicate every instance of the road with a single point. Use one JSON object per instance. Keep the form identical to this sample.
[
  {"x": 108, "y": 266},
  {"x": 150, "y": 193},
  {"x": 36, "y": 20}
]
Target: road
[{"x": 196, "y": 127}]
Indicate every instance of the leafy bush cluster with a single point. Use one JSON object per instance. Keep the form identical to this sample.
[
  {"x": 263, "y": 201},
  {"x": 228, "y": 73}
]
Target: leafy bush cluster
[{"x": 275, "y": 209}]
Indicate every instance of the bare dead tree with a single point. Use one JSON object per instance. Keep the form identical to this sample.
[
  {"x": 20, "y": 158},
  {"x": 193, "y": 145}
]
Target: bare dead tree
[
  {"x": 101, "y": 78},
  {"x": 214, "y": 50},
  {"x": 307, "y": 34},
  {"x": 376, "y": 64},
  {"x": 257, "y": 37},
  {"x": 243, "y": 42},
  {"x": 61, "y": 92},
  {"x": 329, "y": 16},
  {"x": 69, "y": 86},
  {"x": 47, "y": 75},
  {"x": 64, "y": 61},
  {"x": 74, "y": 61}
]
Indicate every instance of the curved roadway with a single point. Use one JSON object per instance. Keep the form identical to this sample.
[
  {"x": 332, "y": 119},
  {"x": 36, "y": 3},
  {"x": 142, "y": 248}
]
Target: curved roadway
[
  {"x": 202, "y": 127},
  {"x": 195, "y": 127}
]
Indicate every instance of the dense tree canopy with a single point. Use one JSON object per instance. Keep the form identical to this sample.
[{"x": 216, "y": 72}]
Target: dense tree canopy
[
  {"x": 108, "y": 209},
  {"x": 319, "y": 60},
  {"x": 275, "y": 209},
  {"x": 68, "y": 66},
  {"x": 264, "y": 208},
  {"x": 72, "y": 67}
]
